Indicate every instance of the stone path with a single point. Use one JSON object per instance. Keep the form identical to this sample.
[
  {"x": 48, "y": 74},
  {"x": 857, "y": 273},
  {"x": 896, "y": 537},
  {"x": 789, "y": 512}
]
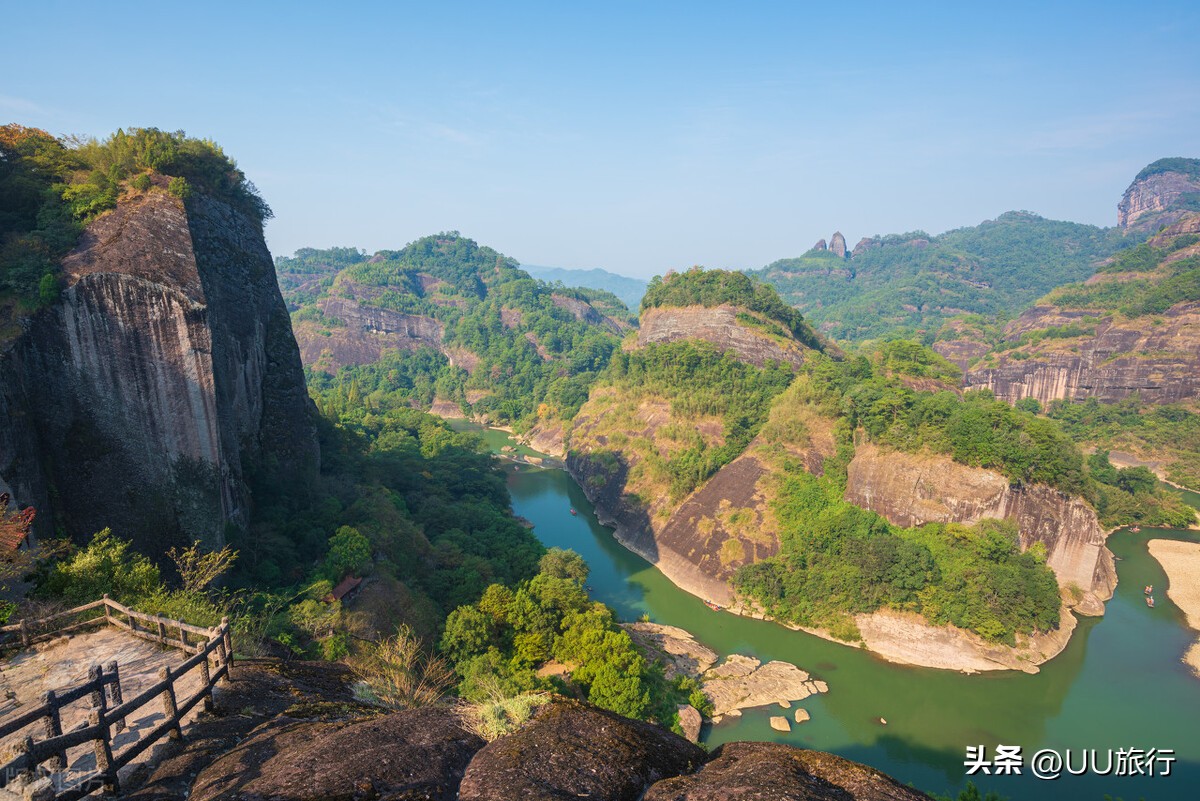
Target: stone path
[{"x": 64, "y": 663}]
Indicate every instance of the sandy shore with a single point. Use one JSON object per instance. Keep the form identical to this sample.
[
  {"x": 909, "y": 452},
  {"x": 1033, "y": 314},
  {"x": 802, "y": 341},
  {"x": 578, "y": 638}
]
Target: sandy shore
[{"x": 1181, "y": 561}]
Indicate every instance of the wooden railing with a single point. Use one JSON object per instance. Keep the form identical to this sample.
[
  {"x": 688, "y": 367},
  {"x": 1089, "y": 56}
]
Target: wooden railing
[{"x": 212, "y": 656}]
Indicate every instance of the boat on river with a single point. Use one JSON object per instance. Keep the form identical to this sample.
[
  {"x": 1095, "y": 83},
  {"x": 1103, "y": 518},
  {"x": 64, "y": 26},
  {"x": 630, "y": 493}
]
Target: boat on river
[
  {"x": 713, "y": 605},
  {"x": 573, "y": 513},
  {"x": 1150, "y": 601}
]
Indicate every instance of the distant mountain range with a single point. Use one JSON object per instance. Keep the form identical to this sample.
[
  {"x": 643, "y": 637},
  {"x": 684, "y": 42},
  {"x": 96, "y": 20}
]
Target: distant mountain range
[{"x": 629, "y": 290}]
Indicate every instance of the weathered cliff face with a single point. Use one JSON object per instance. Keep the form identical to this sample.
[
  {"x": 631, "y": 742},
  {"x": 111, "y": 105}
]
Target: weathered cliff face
[
  {"x": 1159, "y": 361},
  {"x": 586, "y": 313},
  {"x": 1154, "y": 201},
  {"x": 913, "y": 489},
  {"x": 718, "y": 325},
  {"x": 359, "y": 334},
  {"x": 161, "y": 384}
]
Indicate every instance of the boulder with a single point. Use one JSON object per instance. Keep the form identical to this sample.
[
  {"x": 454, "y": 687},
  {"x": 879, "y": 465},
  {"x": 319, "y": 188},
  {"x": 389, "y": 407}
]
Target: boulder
[
  {"x": 802, "y": 716},
  {"x": 746, "y": 771},
  {"x": 689, "y": 721},
  {"x": 570, "y": 750},
  {"x": 405, "y": 756},
  {"x": 780, "y": 723}
]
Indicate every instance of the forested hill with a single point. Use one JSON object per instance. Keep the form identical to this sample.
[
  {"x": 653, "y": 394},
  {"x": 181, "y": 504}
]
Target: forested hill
[
  {"x": 911, "y": 283},
  {"x": 446, "y": 320}
]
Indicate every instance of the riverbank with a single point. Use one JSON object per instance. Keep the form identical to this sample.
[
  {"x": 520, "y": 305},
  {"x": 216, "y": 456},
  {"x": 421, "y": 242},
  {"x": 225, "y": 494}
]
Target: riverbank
[
  {"x": 900, "y": 638},
  {"x": 1120, "y": 459},
  {"x": 1181, "y": 562}
]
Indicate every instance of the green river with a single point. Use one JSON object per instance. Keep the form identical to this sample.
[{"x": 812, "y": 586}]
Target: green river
[{"x": 1119, "y": 684}]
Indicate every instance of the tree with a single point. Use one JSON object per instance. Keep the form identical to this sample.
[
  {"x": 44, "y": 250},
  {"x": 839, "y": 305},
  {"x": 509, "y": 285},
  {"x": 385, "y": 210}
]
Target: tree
[
  {"x": 108, "y": 565},
  {"x": 197, "y": 569},
  {"x": 402, "y": 675},
  {"x": 565, "y": 564},
  {"x": 349, "y": 553}
]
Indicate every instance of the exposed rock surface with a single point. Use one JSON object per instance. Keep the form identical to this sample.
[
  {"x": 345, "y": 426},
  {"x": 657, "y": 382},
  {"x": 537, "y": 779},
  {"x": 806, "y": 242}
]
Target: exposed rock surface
[
  {"x": 690, "y": 722},
  {"x": 762, "y": 771},
  {"x": 738, "y": 682},
  {"x": 292, "y": 730},
  {"x": 570, "y": 750},
  {"x": 742, "y": 682},
  {"x": 358, "y": 334},
  {"x": 677, "y": 649},
  {"x": 821, "y": 245},
  {"x": 262, "y": 691},
  {"x": 586, "y": 313},
  {"x": 1160, "y": 362},
  {"x": 164, "y": 375},
  {"x": 718, "y": 325},
  {"x": 837, "y": 245},
  {"x": 1152, "y": 201},
  {"x": 912, "y": 489},
  {"x": 908, "y": 639},
  {"x": 414, "y": 755}
]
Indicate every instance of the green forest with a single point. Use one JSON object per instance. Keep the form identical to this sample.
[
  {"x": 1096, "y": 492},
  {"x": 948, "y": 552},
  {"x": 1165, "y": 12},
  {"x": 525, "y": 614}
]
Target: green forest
[
  {"x": 534, "y": 358},
  {"x": 910, "y": 284}
]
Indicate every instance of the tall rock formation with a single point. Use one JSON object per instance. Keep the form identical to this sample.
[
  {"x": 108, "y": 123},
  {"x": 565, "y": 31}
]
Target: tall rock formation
[
  {"x": 837, "y": 245},
  {"x": 821, "y": 245},
  {"x": 162, "y": 384},
  {"x": 1161, "y": 194}
]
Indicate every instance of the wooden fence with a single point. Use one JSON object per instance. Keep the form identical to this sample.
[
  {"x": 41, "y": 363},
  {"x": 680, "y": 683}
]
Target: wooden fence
[{"x": 211, "y": 651}]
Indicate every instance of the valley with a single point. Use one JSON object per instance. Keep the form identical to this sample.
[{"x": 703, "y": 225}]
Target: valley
[{"x": 784, "y": 463}]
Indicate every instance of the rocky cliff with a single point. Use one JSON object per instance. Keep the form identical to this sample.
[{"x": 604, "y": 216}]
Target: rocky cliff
[
  {"x": 1082, "y": 343},
  {"x": 913, "y": 489},
  {"x": 1161, "y": 194},
  {"x": 163, "y": 382},
  {"x": 724, "y": 326},
  {"x": 353, "y": 333},
  {"x": 1160, "y": 362}
]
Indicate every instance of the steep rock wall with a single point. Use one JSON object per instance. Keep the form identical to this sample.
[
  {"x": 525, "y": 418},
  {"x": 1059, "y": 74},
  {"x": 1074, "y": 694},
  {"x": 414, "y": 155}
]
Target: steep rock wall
[
  {"x": 719, "y": 326},
  {"x": 1151, "y": 202},
  {"x": 358, "y": 334},
  {"x": 163, "y": 382},
  {"x": 1160, "y": 362},
  {"x": 913, "y": 489}
]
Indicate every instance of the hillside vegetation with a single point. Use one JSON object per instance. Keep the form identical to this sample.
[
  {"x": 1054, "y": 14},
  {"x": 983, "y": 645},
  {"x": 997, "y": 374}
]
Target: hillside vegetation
[
  {"x": 50, "y": 188},
  {"x": 699, "y": 287},
  {"x": 528, "y": 353},
  {"x": 905, "y": 284}
]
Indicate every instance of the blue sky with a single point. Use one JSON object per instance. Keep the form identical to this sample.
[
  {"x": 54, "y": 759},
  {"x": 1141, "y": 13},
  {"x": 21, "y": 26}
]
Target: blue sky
[{"x": 638, "y": 136}]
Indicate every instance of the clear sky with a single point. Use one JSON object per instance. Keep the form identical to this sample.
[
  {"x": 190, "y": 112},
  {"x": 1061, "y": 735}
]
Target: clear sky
[{"x": 637, "y": 136}]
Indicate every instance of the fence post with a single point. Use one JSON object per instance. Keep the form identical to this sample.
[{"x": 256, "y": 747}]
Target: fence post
[
  {"x": 104, "y": 756},
  {"x": 25, "y": 746},
  {"x": 162, "y": 632},
  {"x": 170, "y": 708},
  {"x": 107, "y": 611},
  {"x": 114, "y": 693},
  {"x": 228, "y": 638},
  {"x": 24, "y": 633},
  {"x": 206, "y": 677},
  {"x": 52, "y": 727},
  {"x": 96, "y": 674}
]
